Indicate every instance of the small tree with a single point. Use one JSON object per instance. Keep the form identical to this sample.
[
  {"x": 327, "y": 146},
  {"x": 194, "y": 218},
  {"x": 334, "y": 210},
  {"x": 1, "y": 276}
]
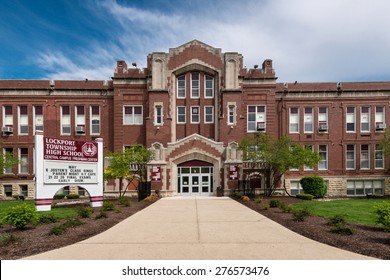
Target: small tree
[
  {"x": 276, "y": 156},
  {"x": 314, "y": 185},
  {"x": 7, "y": 160},
  {"x": 129, "y": 164}
]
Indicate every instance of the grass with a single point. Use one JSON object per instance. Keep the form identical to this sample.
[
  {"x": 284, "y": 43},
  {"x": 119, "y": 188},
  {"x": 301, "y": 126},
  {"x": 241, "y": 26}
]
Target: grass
[
  {"x": 356, "y": 210},
  {"x": 58, "y": 212}
]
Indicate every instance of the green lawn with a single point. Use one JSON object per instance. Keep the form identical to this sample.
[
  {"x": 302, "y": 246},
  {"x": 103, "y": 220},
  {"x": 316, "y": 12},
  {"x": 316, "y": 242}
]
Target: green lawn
[
  {"x": 357, "y": 211},
  {"x": 60, "y": 213}
]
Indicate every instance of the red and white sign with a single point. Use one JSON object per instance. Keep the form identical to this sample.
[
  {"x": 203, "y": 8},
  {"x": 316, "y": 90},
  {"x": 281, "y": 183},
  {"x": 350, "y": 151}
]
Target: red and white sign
[
  {"x": 69, "y": 150},
  {"x": 156, "y": 173},
  {"x": 233, "y": 172}
]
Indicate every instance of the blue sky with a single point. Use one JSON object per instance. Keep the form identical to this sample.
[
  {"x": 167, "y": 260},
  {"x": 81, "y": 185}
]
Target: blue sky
[{"x": 308, "y": 40}]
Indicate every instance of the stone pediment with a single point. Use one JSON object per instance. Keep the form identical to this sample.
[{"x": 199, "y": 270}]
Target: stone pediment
[{"x": 179, "y": 49}]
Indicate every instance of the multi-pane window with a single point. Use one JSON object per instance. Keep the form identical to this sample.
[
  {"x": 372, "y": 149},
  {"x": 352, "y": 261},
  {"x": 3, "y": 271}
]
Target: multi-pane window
[
  {"x": 380, "y": 121},
  {"x": 132, "y": 115},
  {"x": 209, "y": 114},
  {"x": 23, "y": 120},
  {"x": 181, "y": 114},
  {"x": 322, "y": 119},
  {"x": 295, "y": 188},
  {"x": 8, "y": 118},
  {"x": 7, "y": 153},
  {"x": 231, "y": 114},
  {"x": 208, "y": 87},
  {"x": 181, "y": 87},
  {"x": 38, "y": 118},
  {"x": 23, "y": 190},
  {"x": 80, "y": 119},
  {"x": 351, "y": 119},
  {"x": 23, "y": 160},
  {"x": 379, "y": 157},
  {"x": 95, "y": 120},
  {"x": 364, "y": 187},
  {"x": 294, "y": 120},
  {"x": 365, "y": 119},
  {"x": 195, "y": 113},
  {"x": 158, "y": 115},
  {"x": 311, "y": 148},
  {"x": 8, "y": 190},
  {"x": 308, "y": 120},
  {"x": 365, "y": 156},
  {"x": 256, "y": 118},
  {"x": 65, "y": 120},
  {"x": 323, "y": 153},
  {"x": 351, "y": 157},
  {"x": 195, "y": 85}
]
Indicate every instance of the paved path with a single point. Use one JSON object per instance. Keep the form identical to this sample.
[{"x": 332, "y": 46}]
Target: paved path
[{"x": 198, "y": 228}]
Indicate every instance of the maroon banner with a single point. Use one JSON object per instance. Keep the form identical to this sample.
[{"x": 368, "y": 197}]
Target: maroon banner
[{"x": 71, "y": 150}]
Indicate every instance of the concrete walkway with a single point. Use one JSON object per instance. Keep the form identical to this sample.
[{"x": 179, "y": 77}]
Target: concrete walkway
[{"x": 197, "y": 228}]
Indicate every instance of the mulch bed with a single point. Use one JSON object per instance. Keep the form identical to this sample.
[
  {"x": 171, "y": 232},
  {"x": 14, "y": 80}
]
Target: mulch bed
[
  {"x": 367, "y": 240},
  {"x": 37, "y": 239}
]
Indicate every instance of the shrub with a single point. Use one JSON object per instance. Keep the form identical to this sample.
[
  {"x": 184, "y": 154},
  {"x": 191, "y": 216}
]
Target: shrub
[
  {"x": 342, "y": 230},
  {"x": 124, "y": 200},
  {"x": 102, "y": 214},
  {"x": 274, "y": 203},
  {"x": 266, "y": 207},
  {"x": 301, "y": 214},
  {"x": 305, "y": 196},
  {"x": 59, "y": 196},
  {"x": 20, "y": 216},
  {"x": 337, "y": 220},
  {"x": 60, "y": 229},
  {"x": 47, "y": 219},
  {"x": 383, "y": 214},
  {"x": 245, "y": 198},
  {"x": 238, "y": 195},
  {"x": 8, "y": 239},
  {"x": 108, "y": 206},
  {"x": 85, "y": 211},
  {"x": 284, "y": 207},
  {"x": 57, "y": 230},
  {"x": 151, "y": 197},
  {"x": 259, "y": 200},
  {"x": 73, "y": 196},
  {"x": 314, "y": 185},
  {"x": 72, "y": 223}
]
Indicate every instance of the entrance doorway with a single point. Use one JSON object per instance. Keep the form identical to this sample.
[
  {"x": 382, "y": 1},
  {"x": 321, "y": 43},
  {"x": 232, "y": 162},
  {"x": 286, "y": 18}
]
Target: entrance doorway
[{"x": 195, "y": 178}]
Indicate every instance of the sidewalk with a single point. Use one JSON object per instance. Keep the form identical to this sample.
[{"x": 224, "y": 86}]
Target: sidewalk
[{"x": 197, "y": 228}]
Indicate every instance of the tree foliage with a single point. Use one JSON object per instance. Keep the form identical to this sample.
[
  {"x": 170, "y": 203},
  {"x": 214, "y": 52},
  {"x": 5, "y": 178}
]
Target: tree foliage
[
  {"x": 276, "y": 156},
  {"x": 7, "y": 160},
  {"x": 129, "y": 164}
]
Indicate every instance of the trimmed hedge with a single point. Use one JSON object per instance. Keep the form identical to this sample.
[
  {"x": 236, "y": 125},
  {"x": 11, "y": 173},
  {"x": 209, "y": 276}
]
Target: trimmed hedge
[
  {"x": 305, "y": 196},
  {"x": 314, "y": 185}
]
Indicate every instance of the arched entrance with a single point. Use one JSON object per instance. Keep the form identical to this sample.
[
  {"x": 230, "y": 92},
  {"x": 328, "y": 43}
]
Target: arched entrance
[{"x": 195, "y": 177}]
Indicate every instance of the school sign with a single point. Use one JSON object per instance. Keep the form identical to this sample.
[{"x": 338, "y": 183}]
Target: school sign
[{"x": 64, "y": 162}]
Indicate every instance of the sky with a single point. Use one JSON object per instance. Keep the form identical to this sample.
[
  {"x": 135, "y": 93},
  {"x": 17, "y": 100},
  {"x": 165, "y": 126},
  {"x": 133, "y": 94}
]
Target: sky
[{"x": 308, "y": 40}]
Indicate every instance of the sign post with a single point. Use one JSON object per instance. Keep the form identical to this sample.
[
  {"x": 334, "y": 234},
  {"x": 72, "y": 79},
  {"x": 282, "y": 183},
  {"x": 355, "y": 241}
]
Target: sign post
[{"x": 63, "y": 162}]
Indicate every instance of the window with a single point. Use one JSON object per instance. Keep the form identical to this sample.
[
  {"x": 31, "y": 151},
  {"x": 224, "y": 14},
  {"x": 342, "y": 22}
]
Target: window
[
  {"x": 295, "y": 188},
  {"x": 8, "y": 190},
  {"x": 80, "y": 119},
  {"x": 38, "y": 118},
  {"x": 181, "y": 87},
  {"x": 365, "y": 156},
  {"x": 195, "y": 114},
  {"x": 8, "y": 118},
  {"x": 323, "y": 153},
  {"x": 208, "y": 87},
  {"x": 181, "y": 114},
  {"x": 379, "y": 157},
  {"x": 380, "y": 120},
  {"x": 23, "y": 120},
  {"x": 351, "y": 117},
  {"x": 308, "y": 120},
  {"x": 132, "y": 115},
  {"x": 208, "y": 114},
  {"x": 231, "y": 114},
  {"x": 364, "y": 187},
  {"x": 158, "y": 115},
  {"x": 311, "y": 148},
  {"x": 365, "y": 119},
  {"x": 65, "y": 120},
  {"x": 256, "y": 118},
  {"x": 294, "y": 120},
  {"x": 8, "y": 152},
  {"x": 23, "y": 190},
  {"x": 95, "y": 120},
  {"x": 323, "y": 119},
  {"x": 351, "y": 157},
  {"x": 194, "y": 85},
  {"x": 23, "y": 160}
]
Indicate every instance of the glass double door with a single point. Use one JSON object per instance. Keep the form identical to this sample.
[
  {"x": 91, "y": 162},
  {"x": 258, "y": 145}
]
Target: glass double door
[{"x": 195, "y": 181}]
